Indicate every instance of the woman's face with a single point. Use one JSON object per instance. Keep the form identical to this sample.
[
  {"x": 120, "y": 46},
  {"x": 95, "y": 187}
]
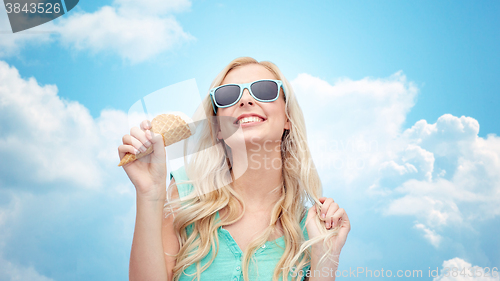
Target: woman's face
[{"x": 271, "y": 119}]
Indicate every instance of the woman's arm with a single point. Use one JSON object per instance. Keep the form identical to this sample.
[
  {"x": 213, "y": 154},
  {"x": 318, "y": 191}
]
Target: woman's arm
[
  {"x": 327, "y": 269},
  {"x": 147, "y": 260},
  {"x": 152, "y": 233},
  {"x": 169, "y": 239},
  {"x": 332, "y": 216}
]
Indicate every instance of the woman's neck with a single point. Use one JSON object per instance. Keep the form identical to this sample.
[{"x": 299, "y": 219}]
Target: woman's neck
[{"x": 258, "y": 175}]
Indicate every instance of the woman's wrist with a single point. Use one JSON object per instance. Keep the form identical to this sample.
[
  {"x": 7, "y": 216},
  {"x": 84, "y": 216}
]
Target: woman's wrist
[
  {"x": 331, "y": 260},
  {"x": 155, "y": 193},
  {"x": 319, "y": 250}
]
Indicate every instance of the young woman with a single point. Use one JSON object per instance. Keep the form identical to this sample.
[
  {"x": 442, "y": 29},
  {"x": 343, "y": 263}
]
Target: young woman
[{"x": 236, "y": 211}]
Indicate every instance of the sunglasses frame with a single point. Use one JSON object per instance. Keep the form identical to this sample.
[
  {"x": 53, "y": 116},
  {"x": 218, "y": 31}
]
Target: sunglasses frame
[{"x": 242, "y": 88}]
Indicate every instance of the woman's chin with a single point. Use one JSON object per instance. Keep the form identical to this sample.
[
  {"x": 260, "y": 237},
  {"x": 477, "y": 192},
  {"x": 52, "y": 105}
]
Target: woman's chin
[
  {"x": 263, "y": 141},
  {"x": 253, "y": 141}
]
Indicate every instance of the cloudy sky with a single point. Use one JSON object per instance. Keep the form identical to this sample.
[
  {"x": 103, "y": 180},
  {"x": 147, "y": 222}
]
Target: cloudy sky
[{"x": 401, "y": 103}]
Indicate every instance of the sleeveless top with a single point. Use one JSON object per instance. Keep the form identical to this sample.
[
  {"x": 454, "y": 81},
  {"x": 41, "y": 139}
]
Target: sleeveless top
[{"x": 227, "y": 263}]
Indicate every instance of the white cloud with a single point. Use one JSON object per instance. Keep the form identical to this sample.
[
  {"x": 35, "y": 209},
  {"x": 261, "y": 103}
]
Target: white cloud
[
  {"x": 457, "y": 269},
  {"x": 352, "y": 124},
  {"x": 375, "y": 106},
  {"x": 152, "y": 7},
  {"x": 135, "y": 30},
  {"x": 134, "y": 37},
  {"x": 435, "y": 212},
  {"x": 429, "y": 234},
  {"x": 44, "y": 139},
  {"x": 465, "y": 185},
  {"x": 442, "y": 174},
  {"x": 60, "y": 186},
  {"x": 10, "y": 271},
  {"x": 67, "y": 234}
]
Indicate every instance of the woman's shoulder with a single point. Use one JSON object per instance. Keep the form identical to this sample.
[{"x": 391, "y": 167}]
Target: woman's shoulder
[
  {"x": 181, "y": 178},
  {"x": 183, "y": 189}
]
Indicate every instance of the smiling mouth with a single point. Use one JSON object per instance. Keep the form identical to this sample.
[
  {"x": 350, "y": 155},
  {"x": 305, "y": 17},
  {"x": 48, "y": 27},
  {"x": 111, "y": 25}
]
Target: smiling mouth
[{"x": 251, "y": 119}]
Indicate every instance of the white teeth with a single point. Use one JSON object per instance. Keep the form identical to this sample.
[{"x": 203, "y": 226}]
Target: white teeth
[{"x": 250, "y": 119}]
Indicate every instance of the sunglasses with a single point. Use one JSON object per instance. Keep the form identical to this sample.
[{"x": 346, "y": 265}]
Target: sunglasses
[{"x": 265, "y": 90}]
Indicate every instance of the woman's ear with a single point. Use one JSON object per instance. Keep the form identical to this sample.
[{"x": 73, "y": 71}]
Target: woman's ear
[{"x": 287, "y": 124}]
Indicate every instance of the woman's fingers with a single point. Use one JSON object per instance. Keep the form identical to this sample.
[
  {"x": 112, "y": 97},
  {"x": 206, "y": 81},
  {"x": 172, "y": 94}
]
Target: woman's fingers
[
  {"x": 336, "y": 218},
  {"x": 140, "y": 135},
  {"x": 324, "y": 207},
  {"x": 145, "y": 125},
  {"x": 130, "y": 140},
  {"x": 329, "y": 222},
  {"x": 138, "y": 141},
  {"x": 330, "y": 212},
  {"x": 125, "y": 148}
]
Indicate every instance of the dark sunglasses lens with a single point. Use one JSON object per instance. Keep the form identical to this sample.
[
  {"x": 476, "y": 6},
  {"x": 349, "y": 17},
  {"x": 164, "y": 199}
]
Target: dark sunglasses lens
[
  {"x": 227, "y": 95},
  {"x": 265, "y": 90}
]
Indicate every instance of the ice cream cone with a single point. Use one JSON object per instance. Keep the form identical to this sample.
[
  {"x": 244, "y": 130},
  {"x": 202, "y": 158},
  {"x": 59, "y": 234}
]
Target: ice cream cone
[{"x": 174, "y": 127}]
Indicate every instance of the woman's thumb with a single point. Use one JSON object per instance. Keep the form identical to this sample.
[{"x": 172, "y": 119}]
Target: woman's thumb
[{"x": 158, "y": 155}]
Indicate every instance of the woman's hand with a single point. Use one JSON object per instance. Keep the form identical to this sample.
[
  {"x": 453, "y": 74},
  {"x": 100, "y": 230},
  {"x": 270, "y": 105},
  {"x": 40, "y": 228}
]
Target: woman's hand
[
  {"x": 148, "y": 174},
  {"x": 332, "y": 216}
]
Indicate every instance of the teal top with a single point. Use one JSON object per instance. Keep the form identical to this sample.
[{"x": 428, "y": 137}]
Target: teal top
[{"x": 227, "y": 263}]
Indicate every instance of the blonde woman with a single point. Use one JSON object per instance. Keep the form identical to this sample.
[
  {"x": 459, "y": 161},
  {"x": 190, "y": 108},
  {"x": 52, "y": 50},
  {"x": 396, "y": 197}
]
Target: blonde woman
[{"x": 237, "y": 209}]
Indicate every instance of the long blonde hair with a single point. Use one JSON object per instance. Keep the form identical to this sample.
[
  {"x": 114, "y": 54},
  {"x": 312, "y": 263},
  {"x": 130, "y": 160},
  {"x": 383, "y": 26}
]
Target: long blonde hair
[{"x": 208, "y": 173}]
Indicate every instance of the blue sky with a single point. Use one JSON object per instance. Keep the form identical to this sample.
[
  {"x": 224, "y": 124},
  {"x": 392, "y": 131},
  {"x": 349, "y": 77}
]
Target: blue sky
[
  {"x": 447, "y": 47},
  {"x": 419, "y": 79}
]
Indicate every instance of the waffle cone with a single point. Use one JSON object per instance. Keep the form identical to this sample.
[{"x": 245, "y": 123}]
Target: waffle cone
[{"x": 172, "y": 127}]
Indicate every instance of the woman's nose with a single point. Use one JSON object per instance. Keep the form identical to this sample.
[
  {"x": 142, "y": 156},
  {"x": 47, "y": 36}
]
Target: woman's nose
[{"x": 246, "y": 99}]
